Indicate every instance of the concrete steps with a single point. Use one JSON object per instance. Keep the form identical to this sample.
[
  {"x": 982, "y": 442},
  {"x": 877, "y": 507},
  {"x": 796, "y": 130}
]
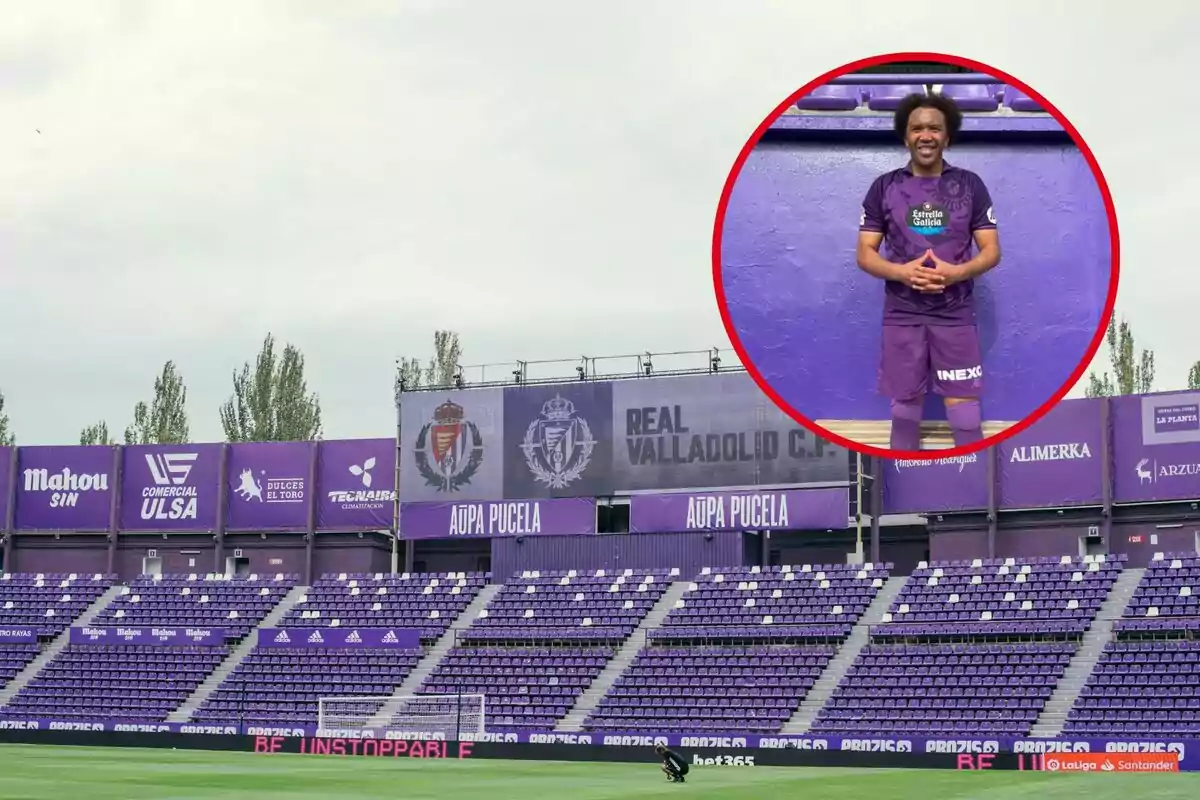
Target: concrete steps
[
  {"x": 620, "y": 662},
  {"x": 235, "y": 657},
  {"x": 433, "y": 656},
  {"x": 840, "y": 664},
  {"x": 1054, "y": 714},
  {"x": 55, "y": 647}
]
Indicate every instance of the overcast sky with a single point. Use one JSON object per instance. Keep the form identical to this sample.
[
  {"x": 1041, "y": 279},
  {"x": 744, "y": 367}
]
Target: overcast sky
[{"x": 540, "y": 176}]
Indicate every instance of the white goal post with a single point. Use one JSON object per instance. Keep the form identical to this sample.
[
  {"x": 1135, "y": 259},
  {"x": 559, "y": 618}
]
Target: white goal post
[{"x": 455, "y": 717}]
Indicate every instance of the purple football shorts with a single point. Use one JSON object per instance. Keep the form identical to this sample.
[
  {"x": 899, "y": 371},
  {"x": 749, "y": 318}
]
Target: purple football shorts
[{"x": 914, "y": 356}]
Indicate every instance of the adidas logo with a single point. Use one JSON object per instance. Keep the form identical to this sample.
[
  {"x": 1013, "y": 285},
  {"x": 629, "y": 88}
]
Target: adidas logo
[
  {"x": 353, "y": 638},
  {"x": 390, "y": 637},
  {"x": 282, "y": 637},
  {"x": 316, "y": 638}
]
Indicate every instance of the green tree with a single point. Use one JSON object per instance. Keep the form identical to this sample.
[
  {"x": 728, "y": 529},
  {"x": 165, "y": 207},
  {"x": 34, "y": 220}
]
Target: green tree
[
  {"x": 441, "y": 369},
  {"x": 96, "y": 434},
  {"x": 6, "y": 435},
  {"x": 164, "y": 420},
  {"x": 1132, "y": 371},
  {"x": 271, "y": 402},
  {"x": 1194, "y": 376}
]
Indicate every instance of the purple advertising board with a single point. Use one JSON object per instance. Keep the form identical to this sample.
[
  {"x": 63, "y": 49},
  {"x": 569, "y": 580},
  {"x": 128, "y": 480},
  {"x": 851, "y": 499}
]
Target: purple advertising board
[
  {"x": 357, "y": 480},
  {"x": 268, "y": 486},
  {"x": 148, "y": 636},
  {"x": 6, "y": 466},
  {"x": 376, "y": 638},
  {"x": 1055, "y": 462},
  {"x": 792, "y": 509},
  {"x": 1156, "y": 447},
  {"x": 564, "y": 516},
  {"x": 16, "y": 634},
  {"x": 942, "y": 485},
  {"x": 170, "y": 487},
  {"x": 64, "y": 488}
]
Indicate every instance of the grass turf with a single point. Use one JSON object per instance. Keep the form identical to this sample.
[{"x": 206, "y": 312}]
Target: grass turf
[{"x": 31, "y": 772}]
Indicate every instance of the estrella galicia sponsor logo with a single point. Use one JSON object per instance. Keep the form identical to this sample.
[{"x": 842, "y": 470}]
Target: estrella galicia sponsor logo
[
  {"x": 878, "y": 745},
  {"x": 960, "y": 746},
  {"x": 449, "y": 450},
  {"x": 558, "y": 444},
  {"x": 1152, "y": 471},
  {"x": 724, "y": 760},
  {"x": 927, "y": 219},
  {"x": 64, "y": 486}
]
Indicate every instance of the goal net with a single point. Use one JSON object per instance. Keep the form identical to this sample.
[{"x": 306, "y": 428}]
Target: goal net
[{"x": 456, "y": 717}]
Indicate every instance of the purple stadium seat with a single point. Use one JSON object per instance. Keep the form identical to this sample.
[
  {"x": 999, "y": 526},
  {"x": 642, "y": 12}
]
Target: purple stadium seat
[
  {"x": 831, "y": 97},
  {"x": 1017, "y": 100},
  {"x": 972, "y": 96},
  {"x": 48, "y": 602},
  {"x": 887, "y": 98}
]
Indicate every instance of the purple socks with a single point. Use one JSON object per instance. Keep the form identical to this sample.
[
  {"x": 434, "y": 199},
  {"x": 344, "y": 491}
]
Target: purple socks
[
  {"x": 906, "y": 424},
  {"x": 966, "y": 422}
]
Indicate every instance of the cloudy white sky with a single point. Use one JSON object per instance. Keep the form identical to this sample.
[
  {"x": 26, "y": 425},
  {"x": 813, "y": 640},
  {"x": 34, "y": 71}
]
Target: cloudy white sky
[{"x": 540, "y": 176}]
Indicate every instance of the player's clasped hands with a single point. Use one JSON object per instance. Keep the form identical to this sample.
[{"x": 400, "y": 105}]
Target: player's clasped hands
[{"x": 924, "y": 278}]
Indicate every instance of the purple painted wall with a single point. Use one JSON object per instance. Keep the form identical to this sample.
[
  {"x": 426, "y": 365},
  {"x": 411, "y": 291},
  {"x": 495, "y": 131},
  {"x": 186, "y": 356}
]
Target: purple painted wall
[
  {"x": 276, "y": 553},
  {"x": 85, "y": 555},
  {"x": 957, "y": 545},
  {"x": 809, "y": 318},
  {"x": 690, "y": 552},
  {"x": 345, "y": 552},
  {"x": 198, "y": 558},
  {"x": 1142, "y": 540}
]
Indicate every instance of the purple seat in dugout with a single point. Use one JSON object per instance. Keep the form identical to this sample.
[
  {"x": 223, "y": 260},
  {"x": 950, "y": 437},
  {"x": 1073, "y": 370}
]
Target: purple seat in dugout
[
  {"x": 972, "y": 97},
  {"x": 831, "y": 97},
  {"x": 887, "y": 98},
  {"x": 1017, "y": 100}
]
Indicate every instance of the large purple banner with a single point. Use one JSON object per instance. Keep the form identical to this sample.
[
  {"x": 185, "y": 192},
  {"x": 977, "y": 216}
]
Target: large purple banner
[
  {"x": 1055, "y": 462},
  {"x": 15, "y": 634},
  {"x": 155, "y": 636},
  {"x": 6, "y": 457},
  {"x": 565, "y": 516},
  {"x": 64, "y": 488},
  {"x": 376, "y": 638},
  {"x": 1156, "y": 447},
  {"x": 793, "y": 509},
  {"x": 170, "y": 487},
  {"x": 268, "y": 485},
  {"x": 358, "y": 485},
  {"x": 942, "y": 485}
]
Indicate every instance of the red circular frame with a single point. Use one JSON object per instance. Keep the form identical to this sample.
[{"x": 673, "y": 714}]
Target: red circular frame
[{"x": 1097, "y": 338}]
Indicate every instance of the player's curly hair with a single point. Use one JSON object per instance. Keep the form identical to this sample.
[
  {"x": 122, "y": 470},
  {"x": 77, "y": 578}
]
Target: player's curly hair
[{"x": 944, "y": 104}]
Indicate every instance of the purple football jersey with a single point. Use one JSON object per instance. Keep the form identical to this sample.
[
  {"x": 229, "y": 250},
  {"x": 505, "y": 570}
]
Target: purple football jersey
[{"x": 916, "y": 214}]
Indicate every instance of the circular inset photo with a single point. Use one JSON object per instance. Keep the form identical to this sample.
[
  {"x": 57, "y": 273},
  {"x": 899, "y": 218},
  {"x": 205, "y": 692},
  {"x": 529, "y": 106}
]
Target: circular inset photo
[{"x": 916, "y": 256}]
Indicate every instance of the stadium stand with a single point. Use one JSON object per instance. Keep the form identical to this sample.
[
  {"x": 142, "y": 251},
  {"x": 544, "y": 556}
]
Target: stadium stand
[
  {"x": 1147, "y": 681},
  {"x": 740, "y": 650},
  {"x": 971, "y": 98},
  {"x": 285, "y": 685},
  {"x": 211, "y": 601},
  {"x": 48, "y": 601},
  {"x": 125, "y": 683},
  {"x": 547, "y": 636},
  {"x": 971, "y": 647}
]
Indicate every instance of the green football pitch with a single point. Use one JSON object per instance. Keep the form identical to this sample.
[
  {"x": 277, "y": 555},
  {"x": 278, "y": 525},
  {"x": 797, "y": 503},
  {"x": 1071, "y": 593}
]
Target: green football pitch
[{"x": 75, "y": 773}]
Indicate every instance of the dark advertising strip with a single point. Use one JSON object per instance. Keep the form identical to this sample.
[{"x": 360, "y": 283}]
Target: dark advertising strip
[{"x": 701, "y": 759}]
